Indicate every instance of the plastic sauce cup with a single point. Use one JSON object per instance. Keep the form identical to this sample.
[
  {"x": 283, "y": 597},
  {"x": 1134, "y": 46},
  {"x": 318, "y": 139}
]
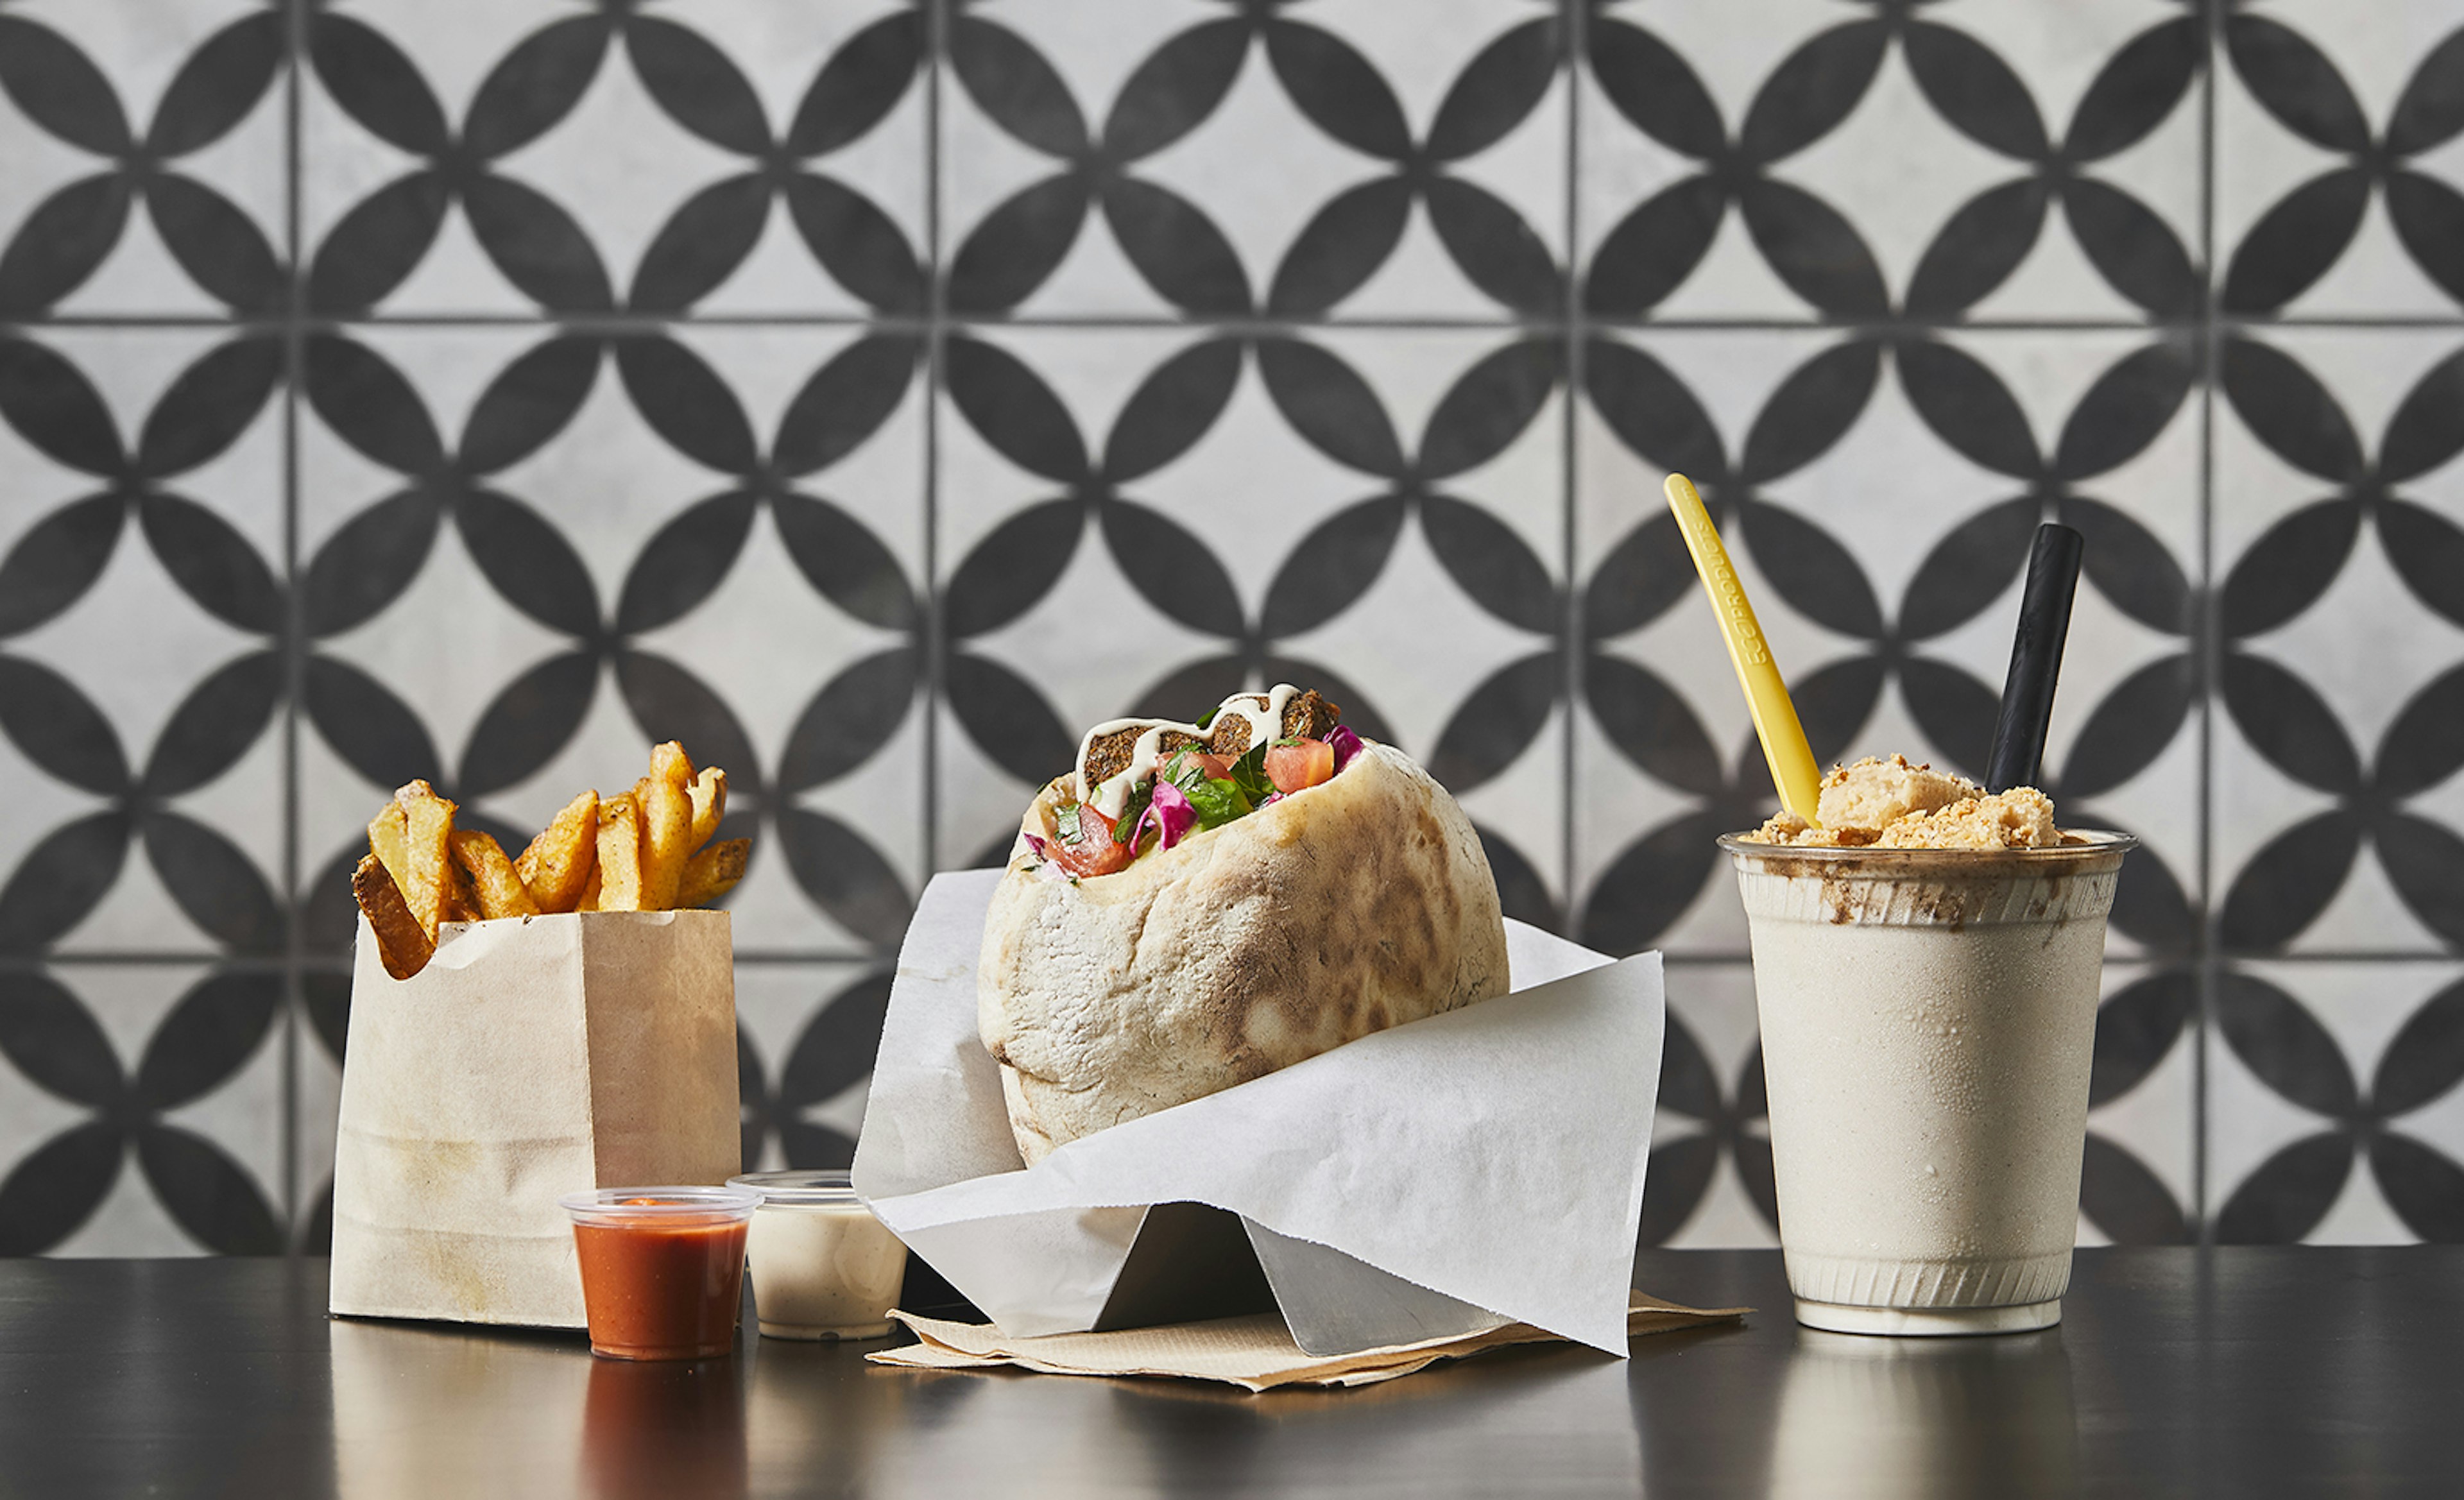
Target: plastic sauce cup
[
  {"x": 823, "y": 1266},
  {"x": 662, "y": 1267}
]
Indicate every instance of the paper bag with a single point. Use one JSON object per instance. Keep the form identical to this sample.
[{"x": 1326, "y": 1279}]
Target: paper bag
[
  {"x": 531, "y": 1058},
  {"x": 1434, "y": 1179}
]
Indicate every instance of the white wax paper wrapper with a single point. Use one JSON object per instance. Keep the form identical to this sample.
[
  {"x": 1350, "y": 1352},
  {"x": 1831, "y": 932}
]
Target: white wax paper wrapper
[{"x": 1495, "y": 1153}]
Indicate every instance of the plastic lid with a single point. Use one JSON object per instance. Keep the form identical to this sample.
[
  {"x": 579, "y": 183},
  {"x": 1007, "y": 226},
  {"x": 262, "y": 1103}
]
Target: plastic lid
[
  {"x": 660, "y": 1204},
  {"x": 826, "y": 1186}
]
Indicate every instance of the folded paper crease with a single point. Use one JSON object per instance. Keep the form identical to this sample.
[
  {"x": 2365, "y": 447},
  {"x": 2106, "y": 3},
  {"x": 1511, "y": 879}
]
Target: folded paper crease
[
  {"x": 1494, "y": 1155},
  {"x": 1255, "y": 1353}
]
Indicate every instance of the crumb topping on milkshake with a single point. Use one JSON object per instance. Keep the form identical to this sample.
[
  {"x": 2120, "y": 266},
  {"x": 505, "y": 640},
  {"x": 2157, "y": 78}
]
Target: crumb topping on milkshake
[{"x": 1894, "y": 804}]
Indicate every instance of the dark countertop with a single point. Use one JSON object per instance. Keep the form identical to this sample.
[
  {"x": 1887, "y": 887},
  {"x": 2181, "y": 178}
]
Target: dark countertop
[{"x": 2230, "y": 1373}]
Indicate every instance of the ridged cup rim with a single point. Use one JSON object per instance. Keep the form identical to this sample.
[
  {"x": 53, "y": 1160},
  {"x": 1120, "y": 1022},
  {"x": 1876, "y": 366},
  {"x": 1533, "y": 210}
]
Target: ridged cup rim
[{"x": 2080, "y": 847}]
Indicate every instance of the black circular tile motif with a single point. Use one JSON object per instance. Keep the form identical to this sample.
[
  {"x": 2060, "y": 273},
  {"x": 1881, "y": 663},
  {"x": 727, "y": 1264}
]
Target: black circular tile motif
[
  {"x": 60, "y": 240},
  {"x": 1183, "y": 255},
  {"x": 869, "y": 400},
  {"x": 1816, "y": 251}
]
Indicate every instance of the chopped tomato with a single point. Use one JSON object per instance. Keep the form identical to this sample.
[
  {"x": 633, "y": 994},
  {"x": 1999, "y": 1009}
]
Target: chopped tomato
[
  {"x": 1214, "y": 767},
  {"x": 1298, "y": 767},
  {"x": 1095, "y": 853}
]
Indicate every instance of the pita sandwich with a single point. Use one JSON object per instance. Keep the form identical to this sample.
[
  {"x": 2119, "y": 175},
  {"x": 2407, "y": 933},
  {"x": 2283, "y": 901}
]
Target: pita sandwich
[{"x": 1224, "y": 898}]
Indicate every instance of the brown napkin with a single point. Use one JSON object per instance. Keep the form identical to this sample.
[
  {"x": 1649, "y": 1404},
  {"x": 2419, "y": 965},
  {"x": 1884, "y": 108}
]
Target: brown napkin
[{"x": 1256, "y": 1351}]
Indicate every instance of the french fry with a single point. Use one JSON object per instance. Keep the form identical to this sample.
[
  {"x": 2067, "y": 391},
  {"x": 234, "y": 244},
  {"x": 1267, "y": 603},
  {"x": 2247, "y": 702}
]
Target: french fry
[
  {"x": 712, "y": 872},
  {"x": 632, "y": 852},
  {"x": 385, "y": 841},
  {"x": 668, "y": 762},
  {"x": 403, "y": 945},
  {"x": 708, "y": 794},
  {"x": 497, "y": 890},
  {"x": 425, "y": 880},
  {"x": 619, "y": 878},
  {"x": 461, "y": 902},
  {"x": 561, "y": 860},
  {"x": 666, "y": 816}
]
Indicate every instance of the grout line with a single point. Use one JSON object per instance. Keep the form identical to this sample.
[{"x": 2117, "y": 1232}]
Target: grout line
[
  {"x": 306, "y": 964},
  {"x": 807, "y": 956},
  {"x": 936, "y": 314},
  {"x": 340, "y": 964},
  {"x": 294, "y": 628},
  {"x": 2204, "y": 940},
  {"x": 145, "y": 957},
  {"x": 2223, "y": 956},
  {"x": 1570, "y": 683},
  {"x": 931, "y": 320}
]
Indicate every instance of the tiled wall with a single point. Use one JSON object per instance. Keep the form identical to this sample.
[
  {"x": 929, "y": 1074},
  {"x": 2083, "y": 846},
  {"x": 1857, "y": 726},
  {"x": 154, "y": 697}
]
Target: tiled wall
[{"x": 872, "y": 396}]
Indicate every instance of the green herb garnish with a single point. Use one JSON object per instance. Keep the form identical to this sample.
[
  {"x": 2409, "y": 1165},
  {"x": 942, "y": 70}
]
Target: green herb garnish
[
  {"x": 1064, "y": 821},
  {"x": 1249, "y": 775},
  {"x": 1208, "y": 717},
  {"x": 1132, "y": 809},
  {"x": 1218, "y": 801}
]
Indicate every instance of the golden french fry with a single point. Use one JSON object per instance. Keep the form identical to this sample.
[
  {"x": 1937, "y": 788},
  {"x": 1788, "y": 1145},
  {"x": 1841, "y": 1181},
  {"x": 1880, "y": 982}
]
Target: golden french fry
[
  {"x": 668, "y": 762},
  {"x": 385, "y": 841},
  {"x": 403, "y": 945},
  {"x": 561, "y": 861},
  {"x": 494, "y": 887},
  {"x": 632, "y": 852},
  {"x": 667, "y": 826},
  {"x": 708, "y": 794},
  {"x": 461, "y": 903},
  {"x": 425, "y": 880},
  {"x": 620, "y": 854},
  {"x": 712, "y": 872}
]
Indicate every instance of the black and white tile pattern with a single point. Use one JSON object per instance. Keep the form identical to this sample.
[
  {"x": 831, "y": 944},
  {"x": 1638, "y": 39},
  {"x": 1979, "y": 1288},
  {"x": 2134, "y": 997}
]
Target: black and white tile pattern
[{"x": 872, "y": 394}]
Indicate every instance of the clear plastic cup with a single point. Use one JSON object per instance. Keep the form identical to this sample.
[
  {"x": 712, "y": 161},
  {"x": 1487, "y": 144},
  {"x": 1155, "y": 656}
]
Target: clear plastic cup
[
  {"x": 662, "y": 1267},
  {"x": 1928, "y": 1016},
  {"x": 823, "y": 1266}
]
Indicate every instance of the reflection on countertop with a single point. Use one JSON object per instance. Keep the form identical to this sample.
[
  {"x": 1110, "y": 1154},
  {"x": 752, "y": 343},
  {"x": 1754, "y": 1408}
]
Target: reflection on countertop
[
  {"x": 1914, "y": 1418},
  {"x": 423, "y": 1410},
  {"x": 2242, "y": 1372}
]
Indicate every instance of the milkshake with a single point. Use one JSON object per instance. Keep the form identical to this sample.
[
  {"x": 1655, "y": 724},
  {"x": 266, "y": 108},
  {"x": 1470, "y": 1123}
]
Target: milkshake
[{"x": 1927, "y": 966}]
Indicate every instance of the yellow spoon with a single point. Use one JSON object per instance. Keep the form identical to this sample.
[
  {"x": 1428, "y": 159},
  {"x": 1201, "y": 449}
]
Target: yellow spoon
[{"x": 1792, "y": 759}]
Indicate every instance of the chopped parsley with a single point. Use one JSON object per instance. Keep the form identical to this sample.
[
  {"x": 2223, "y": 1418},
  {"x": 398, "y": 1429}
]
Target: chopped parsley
[
  {"x": 1249, "y": 774},
  {"x": 1218, "y": 799},
  {"x": 1133, "y": 807}
]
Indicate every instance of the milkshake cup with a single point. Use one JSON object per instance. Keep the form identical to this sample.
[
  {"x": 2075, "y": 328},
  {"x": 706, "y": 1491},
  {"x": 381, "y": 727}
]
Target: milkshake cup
[{"x": 1927, "y": 1021}]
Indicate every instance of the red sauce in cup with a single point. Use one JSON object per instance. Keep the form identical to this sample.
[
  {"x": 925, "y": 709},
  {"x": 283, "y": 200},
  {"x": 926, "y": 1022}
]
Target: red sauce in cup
[{"x": 662, "y": 1268}]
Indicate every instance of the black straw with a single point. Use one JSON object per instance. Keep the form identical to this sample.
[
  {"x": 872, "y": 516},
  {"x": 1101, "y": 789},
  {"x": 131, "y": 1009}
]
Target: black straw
[{"x": 2035, "y": 658}]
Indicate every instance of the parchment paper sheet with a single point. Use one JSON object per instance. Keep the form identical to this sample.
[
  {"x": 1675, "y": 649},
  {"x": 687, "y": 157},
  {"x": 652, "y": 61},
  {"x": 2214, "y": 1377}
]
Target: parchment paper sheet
[
  {"x": 1254, "y": 1353},
  {"x": 1495, "y": 1153}
]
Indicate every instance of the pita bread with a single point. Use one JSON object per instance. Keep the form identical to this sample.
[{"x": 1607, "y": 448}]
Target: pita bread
[{"x": 1359, "y": 904}]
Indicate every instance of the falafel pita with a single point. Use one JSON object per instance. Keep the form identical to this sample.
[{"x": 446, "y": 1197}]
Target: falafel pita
[{"x": 1195, "y": 905}]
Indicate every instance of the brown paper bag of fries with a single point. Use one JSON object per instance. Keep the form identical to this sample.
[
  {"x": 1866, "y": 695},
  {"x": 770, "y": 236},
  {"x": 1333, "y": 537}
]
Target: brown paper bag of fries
[
  {"x": 529, "y": 1059},
  {"x": 525, "y": 1029}
]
